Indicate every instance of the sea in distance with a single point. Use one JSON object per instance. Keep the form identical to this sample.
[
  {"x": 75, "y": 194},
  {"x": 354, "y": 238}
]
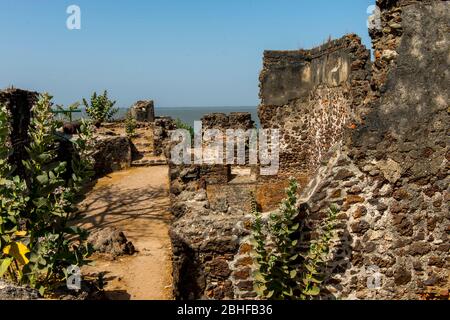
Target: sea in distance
[
  {"x": 190, "y": 114},
  {"x": 187, "y": 114}
]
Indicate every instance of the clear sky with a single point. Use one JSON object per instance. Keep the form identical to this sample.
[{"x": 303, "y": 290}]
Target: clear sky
[{"x": 177, "y": 52}]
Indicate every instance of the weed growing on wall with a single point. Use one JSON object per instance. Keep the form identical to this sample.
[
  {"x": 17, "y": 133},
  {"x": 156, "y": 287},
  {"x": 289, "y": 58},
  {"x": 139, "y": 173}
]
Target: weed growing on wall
[
  {"x": 285, "y": 271},
  {"x": 181, "y": 125}
]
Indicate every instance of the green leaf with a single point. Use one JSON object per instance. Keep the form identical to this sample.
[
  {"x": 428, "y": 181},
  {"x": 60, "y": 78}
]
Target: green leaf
[
  {"x": 314, "y": 291},
  {"x": 315, "y": 280},
  {"x": 42, "y": 179},
  {"x": 4, "y": 264},
  {"x": 288, "y": 293},
  {"x": 293, "y": 258},
  {"x": 310, "y": 268},
  {"x": 40, "y": 202}
]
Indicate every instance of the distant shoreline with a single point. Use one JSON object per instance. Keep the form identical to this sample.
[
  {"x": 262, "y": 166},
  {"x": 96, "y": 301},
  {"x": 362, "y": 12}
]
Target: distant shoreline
[{"x": 189, "y": 114}]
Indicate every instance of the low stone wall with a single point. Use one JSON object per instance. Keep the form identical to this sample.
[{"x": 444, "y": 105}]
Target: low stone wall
[
  {"x": 201, "y": 260},
  {"x": 112, "y": 153},
  {"x": 235, "y": 120}
]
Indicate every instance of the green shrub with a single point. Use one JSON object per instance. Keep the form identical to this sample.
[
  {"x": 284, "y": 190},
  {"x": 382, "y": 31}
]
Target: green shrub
[
  {"x": 284, "y": 270},
  {"x": 181, "y": 125},
  {"x": 100, "y": 108},
  {"x": 130, "y": 125},
  {"x": 37, "y": 244}
]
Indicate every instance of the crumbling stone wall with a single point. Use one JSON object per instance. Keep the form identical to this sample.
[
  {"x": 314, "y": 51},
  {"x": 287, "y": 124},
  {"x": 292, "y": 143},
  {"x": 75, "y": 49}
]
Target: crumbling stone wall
[
  {"x": 143, "y": 111},
  {"x": 111, "y": 153},
  {"x": 235, "y": 120},
  {"x": 310, "y": 96},
  {"x": 210, "y": 216},
  {"x": 390, "y": 175},
  {"x": 375, "y": 144},
  {"x": 161, "y": 136}
]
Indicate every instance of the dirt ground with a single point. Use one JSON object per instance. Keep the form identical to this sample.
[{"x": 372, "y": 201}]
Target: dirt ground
[{"x": 136, "y": 202}]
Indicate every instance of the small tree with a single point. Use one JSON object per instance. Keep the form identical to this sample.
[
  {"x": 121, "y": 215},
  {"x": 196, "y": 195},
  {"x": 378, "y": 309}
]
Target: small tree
[
  {"x": 285, "y": 272},
  {"x": 100, "y": 108}
]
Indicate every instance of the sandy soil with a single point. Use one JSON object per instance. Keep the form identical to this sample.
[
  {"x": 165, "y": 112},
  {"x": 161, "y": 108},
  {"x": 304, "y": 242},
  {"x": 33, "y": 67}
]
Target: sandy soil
[{"x": 135, "y": 201}]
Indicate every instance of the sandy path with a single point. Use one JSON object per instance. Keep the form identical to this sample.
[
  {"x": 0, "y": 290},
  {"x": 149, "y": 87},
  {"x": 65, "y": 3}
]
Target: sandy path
[{"x": 135, "y": 201}]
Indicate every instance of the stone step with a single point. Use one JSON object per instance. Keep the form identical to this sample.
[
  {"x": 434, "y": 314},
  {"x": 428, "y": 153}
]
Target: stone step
[
  {"x": 148, "y": 162},
  {"x": 144, "y": 150},
  {"x": 142, "y": 143}
]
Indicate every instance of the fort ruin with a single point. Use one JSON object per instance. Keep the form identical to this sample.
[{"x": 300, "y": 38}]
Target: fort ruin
[
  {"x": 371, "y": 137},
  {"x": 368, "y": 136}
]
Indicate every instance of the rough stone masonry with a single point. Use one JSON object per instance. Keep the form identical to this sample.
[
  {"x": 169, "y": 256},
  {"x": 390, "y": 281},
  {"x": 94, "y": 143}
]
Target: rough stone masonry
[{"x": 372, "y": 138}]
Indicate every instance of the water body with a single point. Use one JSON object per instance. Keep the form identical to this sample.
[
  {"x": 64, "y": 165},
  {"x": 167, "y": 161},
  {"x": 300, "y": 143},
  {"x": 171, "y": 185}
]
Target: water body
[
  {"x": 186, "y": 114},
  {"x": 190, "y": 114}
]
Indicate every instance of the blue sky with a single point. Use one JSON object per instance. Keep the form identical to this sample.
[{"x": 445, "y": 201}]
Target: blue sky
[{"x": 177, "y": 52}]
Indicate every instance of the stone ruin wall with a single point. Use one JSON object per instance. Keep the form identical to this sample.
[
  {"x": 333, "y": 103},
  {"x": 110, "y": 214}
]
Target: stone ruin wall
[
  {"x": 383, "y": 162},
  {"x": 310, "y": 95},
  {"x": 209, "y": 225},
  {"x": 212, "y": 256},
  {"x": 389, "y": 174}
]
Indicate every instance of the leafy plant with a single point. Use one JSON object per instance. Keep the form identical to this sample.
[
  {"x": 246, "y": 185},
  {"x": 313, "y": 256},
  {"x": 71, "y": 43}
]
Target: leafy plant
[
  {"x": 12, "y": 204},
  {"x": 37, "y": 243},
  {"x": 316, "y": 257},
  {"x": 285, "y": 271},
  {"x": 100, "y": 108},
  {"x": 181, "y": 125},
  {"x": 130, "y": 125}
]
